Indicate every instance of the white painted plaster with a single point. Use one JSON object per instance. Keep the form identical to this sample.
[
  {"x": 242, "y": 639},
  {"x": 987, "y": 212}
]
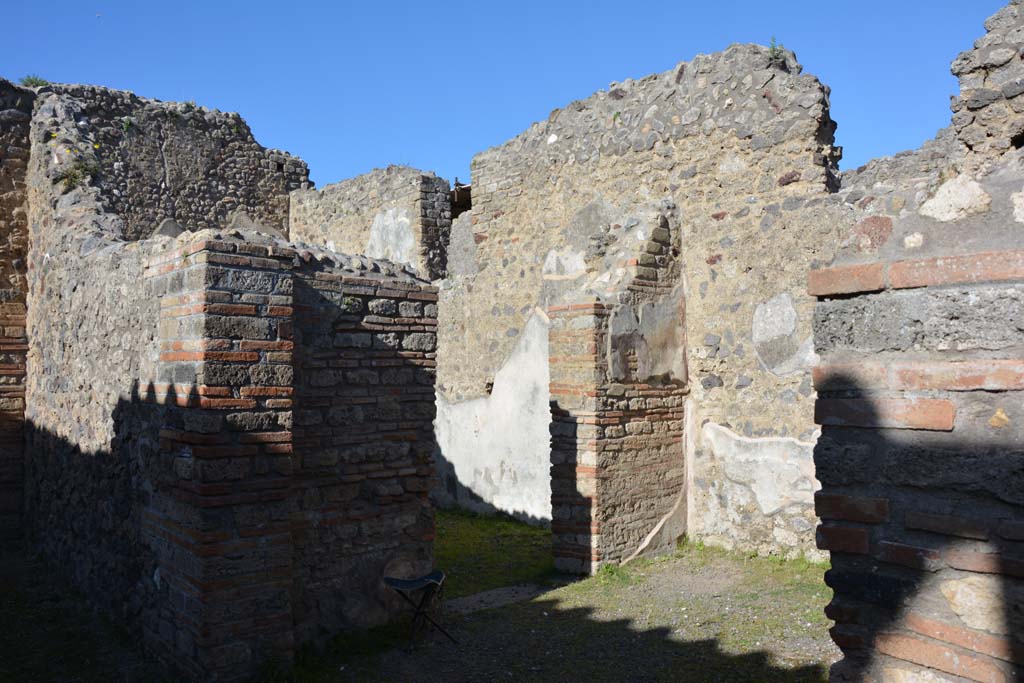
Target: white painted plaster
[{"x": 500, "y": 445}]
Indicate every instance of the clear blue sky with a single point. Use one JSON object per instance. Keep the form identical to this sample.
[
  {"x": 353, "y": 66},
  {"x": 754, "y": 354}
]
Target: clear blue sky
[{"x": 350, "y": 86}]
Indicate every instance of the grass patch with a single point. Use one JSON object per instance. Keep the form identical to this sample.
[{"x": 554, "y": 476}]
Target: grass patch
[
  {"x": 481, "y": 552},
  {"x": 78, "y": 173},
  {"x": 33, "y": 81}
]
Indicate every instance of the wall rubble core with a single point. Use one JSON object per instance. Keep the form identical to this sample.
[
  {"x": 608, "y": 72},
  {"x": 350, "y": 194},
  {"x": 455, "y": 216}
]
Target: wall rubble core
[{"x": 665, "y": 314}]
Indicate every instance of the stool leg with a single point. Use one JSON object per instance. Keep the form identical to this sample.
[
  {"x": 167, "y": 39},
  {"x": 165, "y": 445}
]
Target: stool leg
[{"x": 420, "y": 614}]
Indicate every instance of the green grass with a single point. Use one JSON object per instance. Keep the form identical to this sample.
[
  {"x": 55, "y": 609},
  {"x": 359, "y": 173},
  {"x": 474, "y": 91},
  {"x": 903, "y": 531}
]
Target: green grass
[
  {"x": 33, "y": 81},
  {"x": 477, "y": 552},
  {"x": 480, "y": 552}
]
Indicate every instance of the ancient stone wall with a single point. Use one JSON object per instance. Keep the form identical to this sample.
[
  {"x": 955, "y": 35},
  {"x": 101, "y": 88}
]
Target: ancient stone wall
[
  {"x": 741, "y": 147},
  {"x": 919, "y": 326},
  {"x": 92, "y": 450},
  {"x": 15, "y": 116},
  {"x": 396, "y": 213},
  {"x": 166, "y": 475},
  {"x": 152, "y": 160}
]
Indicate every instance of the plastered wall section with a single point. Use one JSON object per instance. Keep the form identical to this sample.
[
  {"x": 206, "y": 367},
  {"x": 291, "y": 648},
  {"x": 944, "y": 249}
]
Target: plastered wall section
[
  {"x": 741, "y": 149},
  {"x": 397, "y": 213}
]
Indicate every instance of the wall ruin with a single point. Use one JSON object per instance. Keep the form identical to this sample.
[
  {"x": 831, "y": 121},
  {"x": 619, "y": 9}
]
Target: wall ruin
[
  {"x": 230, "y": 438},
  {"x": 919, "y": 324},
  {"x": 720, "y": 152},
  {"x": 396, "y": 213},
  {"x": 224, "y": 483}
]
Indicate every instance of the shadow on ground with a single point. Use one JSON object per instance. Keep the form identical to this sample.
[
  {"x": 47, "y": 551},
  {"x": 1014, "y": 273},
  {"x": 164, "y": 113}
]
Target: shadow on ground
[
  {"x": 701, "y": 615},
  {"x": 49, "y": 634},
  {"x": 540, "y": 641}
]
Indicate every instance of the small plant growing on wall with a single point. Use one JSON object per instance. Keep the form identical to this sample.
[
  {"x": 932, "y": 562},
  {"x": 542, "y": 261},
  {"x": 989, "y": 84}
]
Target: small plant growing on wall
[
  {"x": 127, "y": 124},
  {"x": 776, "y": 55},
  {"x": 34, "y": 81},
  {"x": 78, "y": 173}
]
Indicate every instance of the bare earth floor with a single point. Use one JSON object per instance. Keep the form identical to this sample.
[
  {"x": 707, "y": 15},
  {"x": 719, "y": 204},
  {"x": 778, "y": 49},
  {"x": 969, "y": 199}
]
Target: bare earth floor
[{"x": 699, "y": 615}]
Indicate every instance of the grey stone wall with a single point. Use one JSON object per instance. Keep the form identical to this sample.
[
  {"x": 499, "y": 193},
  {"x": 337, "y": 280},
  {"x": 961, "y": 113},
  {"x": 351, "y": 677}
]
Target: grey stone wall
[
  {"x": 165, "y": 477},
  {"x": 154, "y": 160},
  {"x": 93, "y": 452},
  {"x": 396, "y": 213},
  {"x": 15, "y": 115},
  {"x": 741, "y": 147},
  {"x": 365, "y": 349}
]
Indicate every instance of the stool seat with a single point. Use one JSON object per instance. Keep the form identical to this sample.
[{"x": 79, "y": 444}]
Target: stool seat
[
  {"x": 432, "y": 587},
  {"x": 435, "y": 578}
]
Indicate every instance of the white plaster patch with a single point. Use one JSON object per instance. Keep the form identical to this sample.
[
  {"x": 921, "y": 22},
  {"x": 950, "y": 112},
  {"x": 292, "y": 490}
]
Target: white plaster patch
[
  {"x": 803, "y": 360},
  {"x": 773, "y": 331},
  {"x": 732, "y": 165},
  {"x": 957, "y": 198},
  {"x": 774, "y": 318},
  {"x": 499, "y": 446},
  {"x": 391, "y": 237},
  {"x": 552, "y": 139},
  {"x": 779, "y": 471},
  {"x": 913, "y": 241},
  {"x": 1018, "y": 206},
  {"x": 564, "y": 264}
]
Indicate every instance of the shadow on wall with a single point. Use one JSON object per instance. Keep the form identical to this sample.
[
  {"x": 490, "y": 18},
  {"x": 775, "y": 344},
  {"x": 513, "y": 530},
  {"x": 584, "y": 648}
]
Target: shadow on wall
[
  {"x": 364, "y": 443},
  {"x": 925, "y": 539},
  {"x": 85, "y": 510},
  {"x": 135, "y": 530},
  {"x": 459, "y": 496},
  {"x": 573, "y": 498}
]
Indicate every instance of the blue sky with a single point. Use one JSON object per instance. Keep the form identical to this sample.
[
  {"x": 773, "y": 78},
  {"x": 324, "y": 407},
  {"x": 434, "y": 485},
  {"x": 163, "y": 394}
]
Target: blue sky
[{"x": 350, "y": 86}]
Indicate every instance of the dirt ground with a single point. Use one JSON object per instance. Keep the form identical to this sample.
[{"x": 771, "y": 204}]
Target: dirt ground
[{"x": 699, "y": 615}]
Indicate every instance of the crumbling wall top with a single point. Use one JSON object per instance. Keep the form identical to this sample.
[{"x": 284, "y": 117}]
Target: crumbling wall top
[
  {"x": 151, "y": 160},
  {"x": 988, "y": 115},
  {"x": 726, "y": 91}
]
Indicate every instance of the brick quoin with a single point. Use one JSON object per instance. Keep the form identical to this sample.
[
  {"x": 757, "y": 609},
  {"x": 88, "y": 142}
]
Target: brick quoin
[
  {"x": 851, "y": 508},
  {"x": 984, "y": 375},
  {"x": 846, "y": 280},
  {"x": 923, "y": 413},
  {"x": 1007, "y": 649},
  {"x": 997, "y": 266},
  {"x": 947, "y": 524},
  {"x": 916, "y": 557},
  {"x": 973, "y": 375},
  {"x": 991, "y": 266},
  {"x": 939, "y": 656},
  {"x": 842, "y": 539}
]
